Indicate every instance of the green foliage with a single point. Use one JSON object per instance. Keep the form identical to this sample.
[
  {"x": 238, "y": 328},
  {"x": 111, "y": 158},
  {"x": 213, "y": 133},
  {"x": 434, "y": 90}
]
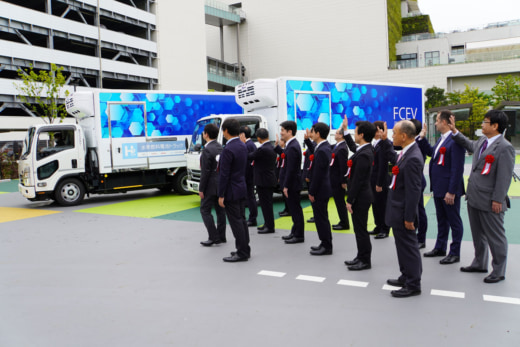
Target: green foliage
[
  {"x": 394, "y": 26},
  {"x": 435, "y": 98},
  {"x": 8, "y": 166},
  {"x": 417, "y": 25},
  {"x": 41, "y": 92},
  {"x": 480, "y": 102},
  {"x": 507, "y": 88},
  {"x": 453, "y": 98}
]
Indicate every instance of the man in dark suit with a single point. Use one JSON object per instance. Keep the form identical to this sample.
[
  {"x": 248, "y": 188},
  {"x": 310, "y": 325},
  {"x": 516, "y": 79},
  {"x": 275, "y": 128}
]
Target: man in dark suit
[
  {"x": 208, "y": 188},
  {"x": 401, "y": 209},
  {"x": 423, "y": 219},
  {"x": 488, "y": 184},
  {"x": 307, "y": 155},
  {"x": 232, "y": 188},
  {"x": 264, "y": 162},
  {"x": 245, "y": 137},
  {"x": 447, "y": 184},
  {"x": 338, "y": 169},
  {"x": 290, "y": 180},
  {"x": 319, "y": 188},
  {"x": 379, "y": 181},
  {"x": 280, "y": 145},
  {"x": 359, "y": 194}
]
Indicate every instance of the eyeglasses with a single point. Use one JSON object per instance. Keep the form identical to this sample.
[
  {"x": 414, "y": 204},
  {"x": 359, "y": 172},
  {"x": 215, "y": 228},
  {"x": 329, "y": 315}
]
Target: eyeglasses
[{"x": 484, "y": 121}]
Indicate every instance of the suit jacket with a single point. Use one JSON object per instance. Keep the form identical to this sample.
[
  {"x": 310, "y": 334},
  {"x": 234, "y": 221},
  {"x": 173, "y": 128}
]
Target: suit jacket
[
  {"x": 338, "y": 168},
  {"x": 446, "y": 177},
  {"x": 484, "y": 189},
  {"x": 358, "y": 185},
  {"x": 208, "y": 168},
  {"x": 319, "y": 185},
  {"x": 290, "y": 173},
  {"x": 306, "y": 161},
  {"x": 403, "y": 200},
  {"x": 264, "y": 165},
  {"x": 380, "y": 175},
  {"x": 232, "y": 169},
  {"x": 251, "y": 148}
]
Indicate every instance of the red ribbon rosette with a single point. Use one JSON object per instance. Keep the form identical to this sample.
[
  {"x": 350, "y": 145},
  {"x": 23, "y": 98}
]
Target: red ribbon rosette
[
  {"x": 277, "y": 162},
  {"x": 442, "y": 151},
  {"x": 304, "y": 153},
  {"x": 283, "y": 159},
  {"x": 487, "y": 166},
  {"x": 349, "y": 164},
  {"x": 395, "y": 172},
  {"x": 332, "y": 161},
  {"x": 311, "y": 158}
]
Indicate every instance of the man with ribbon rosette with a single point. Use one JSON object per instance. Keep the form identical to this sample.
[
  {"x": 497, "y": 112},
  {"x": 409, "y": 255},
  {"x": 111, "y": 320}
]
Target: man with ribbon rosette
[
  {"x": 402, "y": 206},
  {"x": 491, "y": 174},
  {"x": 447, "y": 184}
]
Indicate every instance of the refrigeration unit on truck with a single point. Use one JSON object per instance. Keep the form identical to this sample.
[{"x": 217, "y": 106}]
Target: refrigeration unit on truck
[
  {"x": 122, "y": 141},
  {"x": 310, "y": 100}
]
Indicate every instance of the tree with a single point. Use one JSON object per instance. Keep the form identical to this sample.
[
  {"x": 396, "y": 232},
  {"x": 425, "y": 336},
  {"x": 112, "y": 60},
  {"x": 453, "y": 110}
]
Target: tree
[
  {"x": 454, "y": 97},
  {"x": 507, "y": 88},
  {"x": 480, "y": 103},
  {"x": 41, "y": 92},
  {"x": 435, "y": 97}
]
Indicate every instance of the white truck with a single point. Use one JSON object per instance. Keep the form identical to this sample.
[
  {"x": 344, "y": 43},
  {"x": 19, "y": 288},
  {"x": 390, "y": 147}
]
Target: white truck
[
  {"x": 269, "y": 102},
  {"x": 122, "y": 140}
]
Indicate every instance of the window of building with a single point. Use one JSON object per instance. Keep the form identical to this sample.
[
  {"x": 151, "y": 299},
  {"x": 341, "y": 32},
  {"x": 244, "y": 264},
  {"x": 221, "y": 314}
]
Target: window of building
[
  {"x": 432, "y": 58},
  {"x": 457, "y": 50},
  {"x": 406, "y": 61}
]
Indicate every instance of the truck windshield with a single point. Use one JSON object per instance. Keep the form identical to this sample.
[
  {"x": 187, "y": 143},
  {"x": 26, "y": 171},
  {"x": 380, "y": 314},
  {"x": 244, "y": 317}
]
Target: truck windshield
[
  {"x": 27, "y": 142},
  {"x": 196, "y": 139}
]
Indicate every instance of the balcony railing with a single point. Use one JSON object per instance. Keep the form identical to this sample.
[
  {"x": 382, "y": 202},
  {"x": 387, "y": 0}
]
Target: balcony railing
[{"x": 224, "y": 73}]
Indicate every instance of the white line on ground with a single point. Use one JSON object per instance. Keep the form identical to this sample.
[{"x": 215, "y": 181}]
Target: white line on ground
[
  {"x": 447, "y": 293},
  {"x": 501, "y": 299},
  {"x": 272, "y": 273},
  {"x": 353, "y": 283},
  {"x": 389, "y": 287},
  {"x": 310, "y": 278}
]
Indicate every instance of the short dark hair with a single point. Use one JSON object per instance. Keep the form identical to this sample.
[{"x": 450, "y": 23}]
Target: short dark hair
[
  {"x": 379, "y": 124},
  {"x": 232, "y": 126},
  {"x": 418, "y": 126},
  {"x": 367, "y": 129},
  {"x": 498, "y": 117},
  {"x": 212, "y": 130},
  {"x": 244, "y": 129},
  {"x": 322, "y": 129},
  {"x": 262, "y": 133},
  {"x": 445, "y": 115},
  {"x": 289, "y": 125}
]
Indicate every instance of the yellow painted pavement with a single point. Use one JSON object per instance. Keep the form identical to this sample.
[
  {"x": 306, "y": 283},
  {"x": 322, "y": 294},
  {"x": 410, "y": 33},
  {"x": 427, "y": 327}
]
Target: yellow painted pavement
[{"x": 8, "y": 214}]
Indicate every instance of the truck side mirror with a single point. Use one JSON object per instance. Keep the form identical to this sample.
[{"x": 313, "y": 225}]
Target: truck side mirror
[
  {"x": 186, "y": 144},
  {"x": 197, "y": 147}
]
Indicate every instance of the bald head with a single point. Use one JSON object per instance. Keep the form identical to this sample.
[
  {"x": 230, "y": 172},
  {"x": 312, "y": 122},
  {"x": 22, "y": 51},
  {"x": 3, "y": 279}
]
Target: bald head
[{"x": 403, "y": 133}]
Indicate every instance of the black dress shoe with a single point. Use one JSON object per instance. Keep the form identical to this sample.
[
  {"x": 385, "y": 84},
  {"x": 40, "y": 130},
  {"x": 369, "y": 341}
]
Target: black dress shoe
[
  {"x": 266, "y": 231},
  {"x": 234, "y": 258},
  {"x": 284, "y": 213},
  {"x": 340, "y": 227},
  {"x": 287, "y": 237},
  {"x": 295, "y": 240},
  {"x": 261, "y": 227},
  {"x": 235, "y": 253},
  {"x": 435, "y": 253},
  {"x": 450, "y": 259},
  {"x": 395, "y": 283},
  {"x": 209, "y": 243},
  {"x": 251, "y": 223},
  {"x": 422, "y": 245},
  {"x": 381, "y": 236},
  {"x": 352, "y": 262},
  {"x": 373, "y": 232},
  {"x": 315, "y": 248},
  {"x": 359, "y": 266},
  {"x": 494, "y": 279},
  {"x": 310, "y": 220},
  {"x": 472, "y": 269},
  {"x": 405, "y": 292},
  {"x": 321, "y": 251}
]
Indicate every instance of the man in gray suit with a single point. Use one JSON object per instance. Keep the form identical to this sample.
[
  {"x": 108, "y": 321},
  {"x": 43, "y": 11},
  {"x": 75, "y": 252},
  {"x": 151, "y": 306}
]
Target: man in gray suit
[
  {"x": 208, "y": 188},
  {"x": 491, "y": 173}
]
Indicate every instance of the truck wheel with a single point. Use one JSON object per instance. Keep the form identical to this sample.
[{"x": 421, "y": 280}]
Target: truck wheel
[
  {"x": 180, "y": 183},
  {"x": 69, "y": 192}
]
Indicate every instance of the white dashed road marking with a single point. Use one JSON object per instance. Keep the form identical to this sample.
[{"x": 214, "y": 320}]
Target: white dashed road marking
[
  {"x": 272, "y": 273},
  {"x": 389, "y": 287},
  {"x": 460, "y": 295},
  {"x": 502, "y": 299},
  {"x": 310, "y": 278},
  {"x": 353, "y": 283}
]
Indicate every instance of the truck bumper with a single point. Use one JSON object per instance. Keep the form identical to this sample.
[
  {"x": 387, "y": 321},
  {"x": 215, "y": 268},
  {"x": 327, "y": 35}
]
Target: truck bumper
[
  {"x": 27, "y": 192},
  {"x": 193, "y": 186}
]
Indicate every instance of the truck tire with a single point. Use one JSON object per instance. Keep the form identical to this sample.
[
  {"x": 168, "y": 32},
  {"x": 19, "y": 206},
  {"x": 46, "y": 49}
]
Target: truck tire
[
  {"x": 180, "y": 183},
  {"x": 70, "y": 192}
]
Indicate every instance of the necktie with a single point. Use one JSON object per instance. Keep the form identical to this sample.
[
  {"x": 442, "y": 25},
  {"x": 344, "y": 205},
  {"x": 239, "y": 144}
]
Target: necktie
[
  {"x": 484, "y": 146},
  {"x": 400, "y": 155}
]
